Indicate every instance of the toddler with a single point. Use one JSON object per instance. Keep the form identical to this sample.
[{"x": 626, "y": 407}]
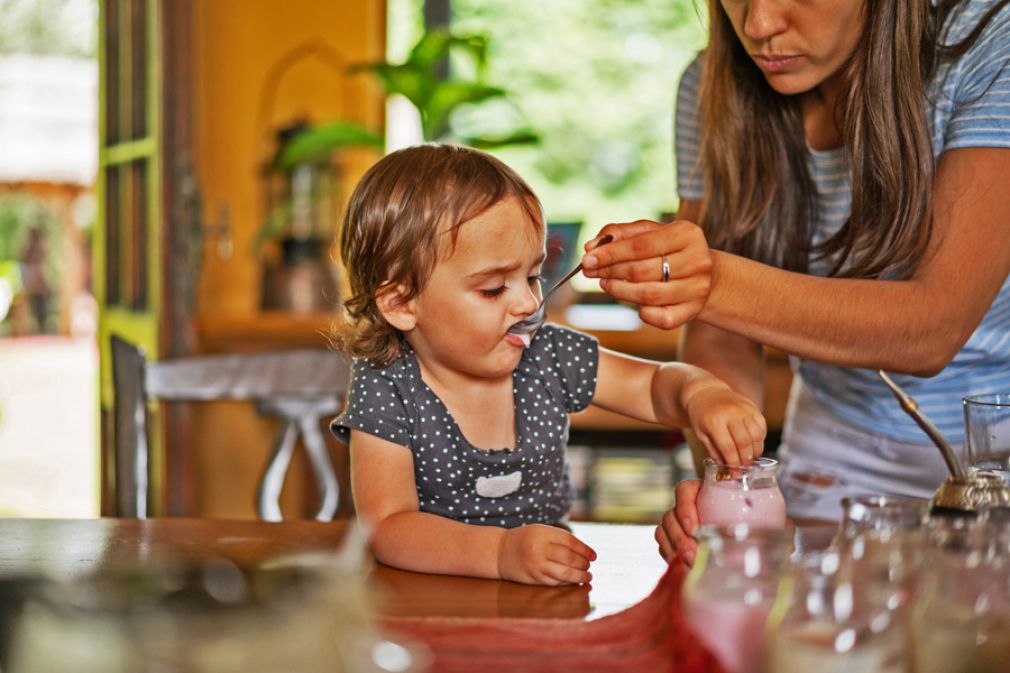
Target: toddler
[{"x": 457, "y": 429}]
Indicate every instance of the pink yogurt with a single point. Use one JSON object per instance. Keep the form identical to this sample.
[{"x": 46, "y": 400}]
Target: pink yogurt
[
  {"x": 732, "y": 631},
  {"x": 754, "y": 500}
]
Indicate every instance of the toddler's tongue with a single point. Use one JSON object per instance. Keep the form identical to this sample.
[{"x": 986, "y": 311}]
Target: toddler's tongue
[{"x": 518, "y": 339}]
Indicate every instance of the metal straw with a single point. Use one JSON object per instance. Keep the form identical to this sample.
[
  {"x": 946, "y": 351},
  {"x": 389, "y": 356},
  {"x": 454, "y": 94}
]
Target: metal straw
[{"x": 912, "y": 409}]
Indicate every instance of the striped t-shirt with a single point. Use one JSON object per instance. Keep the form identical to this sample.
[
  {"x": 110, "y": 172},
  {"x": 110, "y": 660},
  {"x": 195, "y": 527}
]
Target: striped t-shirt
[{"x": 968, "y": 106}]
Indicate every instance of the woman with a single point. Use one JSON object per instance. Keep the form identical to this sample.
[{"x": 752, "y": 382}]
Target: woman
[{"x": 847, "y": 163}]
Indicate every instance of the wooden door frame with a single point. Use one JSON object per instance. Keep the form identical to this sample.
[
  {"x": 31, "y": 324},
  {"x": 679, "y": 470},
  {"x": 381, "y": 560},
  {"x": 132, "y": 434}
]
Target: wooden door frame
[
  {"x": 161, "y": 322},
  {"x": 181, "y": 241}
]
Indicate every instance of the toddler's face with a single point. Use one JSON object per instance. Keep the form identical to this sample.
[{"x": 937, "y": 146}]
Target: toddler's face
[{"x": 489, "y": 282}]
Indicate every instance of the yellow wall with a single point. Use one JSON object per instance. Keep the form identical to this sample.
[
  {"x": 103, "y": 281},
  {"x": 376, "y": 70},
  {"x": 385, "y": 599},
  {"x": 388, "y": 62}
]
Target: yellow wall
[{"x": 236, "y": 44}]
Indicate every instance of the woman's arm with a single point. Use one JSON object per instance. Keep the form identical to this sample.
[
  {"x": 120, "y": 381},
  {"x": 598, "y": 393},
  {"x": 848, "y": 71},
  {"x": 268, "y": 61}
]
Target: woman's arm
[
  {"x": 735, "y": 359},
  {"x": 913, "y": 326},
  {"x": 385, "y": 497}
]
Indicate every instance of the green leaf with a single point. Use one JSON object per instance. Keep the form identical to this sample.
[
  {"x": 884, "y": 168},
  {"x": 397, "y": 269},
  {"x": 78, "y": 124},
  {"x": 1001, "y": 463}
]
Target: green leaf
[
  {"x": 436, "y": 44},
  {"x": 521, "y": 137},
  {"x": 450, "y": 96},
  {"x": 430, "y": 49},
  {"x": 316, "y": 144},
  {"x": 408, "y": 81}
]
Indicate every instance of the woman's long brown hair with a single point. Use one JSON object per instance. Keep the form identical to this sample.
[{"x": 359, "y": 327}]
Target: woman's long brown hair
[{"x": 759, "y": 196}]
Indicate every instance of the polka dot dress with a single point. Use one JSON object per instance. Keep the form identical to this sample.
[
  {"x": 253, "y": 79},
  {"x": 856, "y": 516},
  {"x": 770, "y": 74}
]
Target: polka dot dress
[{"x": 511, "y": 487}]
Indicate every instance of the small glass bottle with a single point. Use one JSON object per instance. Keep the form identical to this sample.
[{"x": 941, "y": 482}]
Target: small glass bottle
[
  {"x": 748, "y": 494},
  {"x": 834, "y": 615},
  {"x": 961, "y": 622},
  {"x": 731, "y": 588},
  {"x": 894, "y": 513}
]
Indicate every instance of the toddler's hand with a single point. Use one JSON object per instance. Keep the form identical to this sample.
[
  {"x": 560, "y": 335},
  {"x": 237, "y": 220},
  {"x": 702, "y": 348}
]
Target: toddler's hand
[
  {"x": 675, "y": 531},
  {"x": 730, "y": 425},
  {"x": 539, "y": 554}
]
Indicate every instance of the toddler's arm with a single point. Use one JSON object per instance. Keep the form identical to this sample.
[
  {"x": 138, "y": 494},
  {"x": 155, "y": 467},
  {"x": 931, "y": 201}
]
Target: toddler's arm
[
  {"x": 385, "y": 496},
  {"x": 680, "y": 395}
]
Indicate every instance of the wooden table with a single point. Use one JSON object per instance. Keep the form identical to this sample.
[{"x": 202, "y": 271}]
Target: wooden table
[{"x": 627, "y": 569}]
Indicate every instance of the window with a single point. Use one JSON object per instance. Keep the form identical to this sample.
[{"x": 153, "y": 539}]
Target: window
[{"x": 596, "y": 79}]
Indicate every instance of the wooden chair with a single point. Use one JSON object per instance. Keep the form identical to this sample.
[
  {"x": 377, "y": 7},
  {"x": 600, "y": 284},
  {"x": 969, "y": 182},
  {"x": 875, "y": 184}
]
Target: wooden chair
[{"x": 300, "y": 387}]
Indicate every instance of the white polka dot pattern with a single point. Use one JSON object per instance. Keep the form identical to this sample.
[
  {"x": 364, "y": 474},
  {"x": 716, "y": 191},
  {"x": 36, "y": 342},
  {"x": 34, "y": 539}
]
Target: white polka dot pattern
[{"x": 556, "y": 376}]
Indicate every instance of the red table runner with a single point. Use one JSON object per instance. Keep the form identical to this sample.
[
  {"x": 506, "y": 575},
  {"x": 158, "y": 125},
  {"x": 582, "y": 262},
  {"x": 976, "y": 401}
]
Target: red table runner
[{"x": 649, "y": 636}]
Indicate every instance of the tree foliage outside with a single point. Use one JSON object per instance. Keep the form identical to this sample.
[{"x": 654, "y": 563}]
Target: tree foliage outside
[
  {"x": 38, "y": 28},
  {"x": 52, "y": 27},
  {"x": 19, "y": 213},
  {"x": 596, "y": 80}
]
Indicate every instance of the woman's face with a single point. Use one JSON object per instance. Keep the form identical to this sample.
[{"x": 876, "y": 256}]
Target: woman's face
[{"x": 797, "y": 44}]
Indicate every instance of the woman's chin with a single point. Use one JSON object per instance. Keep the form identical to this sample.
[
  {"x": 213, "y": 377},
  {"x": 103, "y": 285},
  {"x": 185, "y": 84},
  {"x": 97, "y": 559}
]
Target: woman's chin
[{"x": 789, "y": 85}]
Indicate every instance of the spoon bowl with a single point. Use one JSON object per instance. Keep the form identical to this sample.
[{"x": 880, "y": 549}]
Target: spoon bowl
[{"x": 531, "y": 323}]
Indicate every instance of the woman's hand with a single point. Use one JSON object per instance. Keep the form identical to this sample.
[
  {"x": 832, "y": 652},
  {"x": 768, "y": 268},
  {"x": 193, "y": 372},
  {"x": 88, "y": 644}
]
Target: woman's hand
[
  {"x": 728, "y": 424},
  {"x": 675, "y": 531},
  {"x": 631, "y": 269},
  {"x": 539, "y": 554}
]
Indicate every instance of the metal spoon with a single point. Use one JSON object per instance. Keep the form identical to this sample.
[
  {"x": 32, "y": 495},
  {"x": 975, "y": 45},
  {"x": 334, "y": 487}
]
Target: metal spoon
[
  {"x": 531, "y": 323},
  {"x": 911, "y": 407}
]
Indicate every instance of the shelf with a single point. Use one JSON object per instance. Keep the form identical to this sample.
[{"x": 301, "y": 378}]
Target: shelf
[{"x": 262, "y": 331}]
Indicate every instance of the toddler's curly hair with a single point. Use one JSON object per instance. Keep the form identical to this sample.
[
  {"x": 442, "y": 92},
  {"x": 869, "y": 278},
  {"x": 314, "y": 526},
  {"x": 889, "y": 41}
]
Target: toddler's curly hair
[{"x": 391, "y": 231}]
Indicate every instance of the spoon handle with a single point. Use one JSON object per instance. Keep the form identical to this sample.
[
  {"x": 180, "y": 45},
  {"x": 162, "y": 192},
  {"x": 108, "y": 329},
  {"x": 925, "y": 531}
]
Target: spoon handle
[
  {"x": 568, "y": 276},
  {"x": 911, "y": 407}
]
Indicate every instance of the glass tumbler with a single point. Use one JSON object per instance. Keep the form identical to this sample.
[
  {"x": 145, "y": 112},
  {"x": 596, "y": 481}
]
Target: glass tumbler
[
  {"x": 748, "y": 495},
  {"x": 987, "y": 433},
  {"x": 731, "y": 588},
  {"x": 210, "y": 616},
  {"x": 832, "y": 616},
  {"x": 894, "y": 513},
  {"x": 961, "y": 623}
]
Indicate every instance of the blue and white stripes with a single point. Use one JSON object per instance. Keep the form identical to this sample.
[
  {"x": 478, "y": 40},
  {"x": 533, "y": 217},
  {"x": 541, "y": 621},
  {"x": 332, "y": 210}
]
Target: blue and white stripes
[{"x": 968, "y": 106}]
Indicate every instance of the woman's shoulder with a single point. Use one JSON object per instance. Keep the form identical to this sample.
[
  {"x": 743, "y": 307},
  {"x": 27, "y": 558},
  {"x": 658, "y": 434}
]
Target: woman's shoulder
[
  {"x": 967, "y": 15},
  {"x": 691, "y": 77},
  {"x": 978, "y": 31}
]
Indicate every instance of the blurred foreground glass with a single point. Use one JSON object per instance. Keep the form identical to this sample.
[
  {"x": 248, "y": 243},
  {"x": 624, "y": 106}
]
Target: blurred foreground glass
[
  {"x": 997, "y": 520},
  {"x": 831, "y": 616},
  {"x": 987, "y": 433},
  {"x": 731, "y": 588},
  {"x": 748, "y": 495},
  {"x": 893, "y": 513},
  {"x": 961, "y": 622},
  {"x": 203, "y": 617}
]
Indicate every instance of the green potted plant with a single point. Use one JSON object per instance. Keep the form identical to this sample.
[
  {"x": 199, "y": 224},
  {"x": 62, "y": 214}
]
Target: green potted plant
[
  {"x": 300, "y": 175},
  {"x": 301, "y": 205},
  {"x": 301, "y": 191},
  {"x": 437, "y": 96}
]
